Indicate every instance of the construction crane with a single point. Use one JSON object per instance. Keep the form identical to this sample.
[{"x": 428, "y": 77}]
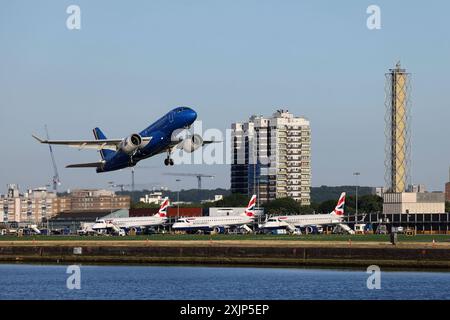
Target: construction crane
[
  {"x": 199, "y": 176},
  {"x": 55, "y": 180}
]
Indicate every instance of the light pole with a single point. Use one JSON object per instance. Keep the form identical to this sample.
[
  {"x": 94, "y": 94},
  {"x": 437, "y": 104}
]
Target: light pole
[
  {"x": 178, "y": 200},
  {"x": 111, "y": 185},
  {"x": 132, "y": 184},
  {"x": 356, "y": 174}
]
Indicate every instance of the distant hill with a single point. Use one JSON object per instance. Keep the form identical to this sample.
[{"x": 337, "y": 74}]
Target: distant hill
[
  {"x": 318, "y": 194},
  {"x": 324, "y": 193}
]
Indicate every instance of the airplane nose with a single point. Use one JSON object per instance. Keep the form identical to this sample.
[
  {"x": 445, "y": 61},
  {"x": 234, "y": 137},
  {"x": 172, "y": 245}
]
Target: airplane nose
[{"x": 192, "y": 115}]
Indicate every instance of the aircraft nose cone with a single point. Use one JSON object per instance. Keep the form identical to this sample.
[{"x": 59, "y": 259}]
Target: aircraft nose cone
[{"x": 192, "y": 115}]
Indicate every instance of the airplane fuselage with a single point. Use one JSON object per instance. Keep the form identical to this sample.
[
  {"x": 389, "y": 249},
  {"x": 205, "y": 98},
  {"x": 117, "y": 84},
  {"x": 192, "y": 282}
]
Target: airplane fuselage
[
  {"x": 301, "y": 221},
  {"x": 127, "y": 223},
  {"x": 210, "y": 223},
  {"x": 160, "y": 133}
]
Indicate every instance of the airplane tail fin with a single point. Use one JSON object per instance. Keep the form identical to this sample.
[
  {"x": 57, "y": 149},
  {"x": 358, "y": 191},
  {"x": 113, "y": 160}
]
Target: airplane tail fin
[
  {"x": 250, "y": 210},
  {"x": 162, "y": 213},
  {"x": 99, "y": 135},
  {"x": 339, "y": 209}
]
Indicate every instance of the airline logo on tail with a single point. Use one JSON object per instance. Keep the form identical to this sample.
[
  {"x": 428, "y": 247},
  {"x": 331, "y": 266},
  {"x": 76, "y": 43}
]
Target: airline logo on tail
[
  {"x": 163, "y": 209},
  {"x": 339, "y": 209},
  {"x": 250, "y": 210}
]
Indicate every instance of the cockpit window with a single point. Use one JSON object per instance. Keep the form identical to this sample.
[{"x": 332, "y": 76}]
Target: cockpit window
[{"x": 180, "y": 109}]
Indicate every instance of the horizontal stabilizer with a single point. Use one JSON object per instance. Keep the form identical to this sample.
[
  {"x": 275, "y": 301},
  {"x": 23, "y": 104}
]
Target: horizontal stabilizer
[
  {"x": 205, "y": 142},
  {"x": 86, "y": 165}
]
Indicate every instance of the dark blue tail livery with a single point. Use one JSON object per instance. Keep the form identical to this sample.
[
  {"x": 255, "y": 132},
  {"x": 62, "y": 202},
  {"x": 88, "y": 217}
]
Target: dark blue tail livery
[{"x": 99, "y": 135}]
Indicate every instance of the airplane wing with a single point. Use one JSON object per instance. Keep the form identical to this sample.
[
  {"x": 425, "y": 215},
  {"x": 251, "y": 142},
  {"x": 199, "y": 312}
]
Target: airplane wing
[
  {"x": 179, "y": 143},
  {"x": 109, "y": 144},
  {"x": 86, "y": 165}
]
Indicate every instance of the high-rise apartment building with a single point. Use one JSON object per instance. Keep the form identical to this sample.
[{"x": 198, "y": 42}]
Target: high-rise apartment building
[{"x": 271, "y": 157}]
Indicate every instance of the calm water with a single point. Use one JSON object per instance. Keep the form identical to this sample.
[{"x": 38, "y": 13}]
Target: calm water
[{"x": 173, "y": 283}]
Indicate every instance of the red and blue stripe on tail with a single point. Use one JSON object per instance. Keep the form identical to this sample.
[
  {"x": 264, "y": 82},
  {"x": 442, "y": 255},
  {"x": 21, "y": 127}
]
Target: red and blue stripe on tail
[
  {"x": 339, "y": 209},
  {"x": 250, "y": 210}
]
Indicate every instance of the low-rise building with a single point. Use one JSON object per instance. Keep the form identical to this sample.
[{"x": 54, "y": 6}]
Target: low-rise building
[
  {"x": 447, "y": 191},
  {"x": 217, "y": 197},
  {"x": 96, "y": 199},
  {"x": 413, "y": 202},
  {"x": 153, "y": 198},
  {"x": 379, "y": 191},
  {"x": 37, "y": 204},
  {"x": 71, "y": 221}
]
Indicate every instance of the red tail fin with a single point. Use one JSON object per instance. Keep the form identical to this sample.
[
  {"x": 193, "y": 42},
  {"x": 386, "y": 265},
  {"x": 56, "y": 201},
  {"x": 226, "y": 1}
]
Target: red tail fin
[
  {"x": 163, "y": 209},
  {"x": 339, "y": 209},
  {"x": 250, "y": 210}
]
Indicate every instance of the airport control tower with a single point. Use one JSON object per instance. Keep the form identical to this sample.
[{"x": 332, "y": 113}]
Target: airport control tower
[{"x": 397, "y": 129}]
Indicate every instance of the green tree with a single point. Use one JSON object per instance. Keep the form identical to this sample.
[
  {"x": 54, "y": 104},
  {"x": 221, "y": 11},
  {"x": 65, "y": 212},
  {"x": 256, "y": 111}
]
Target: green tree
[
  {"x": 233, "y": 200},
  {"x": 370, "y": 203},
  {"x": 326, "y": 206},
  {"x": 142, "y": 205},
  {"x": 281, "y": 206}
]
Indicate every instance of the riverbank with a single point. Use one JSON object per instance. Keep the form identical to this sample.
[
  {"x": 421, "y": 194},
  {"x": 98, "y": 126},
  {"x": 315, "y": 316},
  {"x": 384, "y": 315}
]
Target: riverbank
[
  {"x": 441, "y": 238},
  {"x": 416, "y": 255}
]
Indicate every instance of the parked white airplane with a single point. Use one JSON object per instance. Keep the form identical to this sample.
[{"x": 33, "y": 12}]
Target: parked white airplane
[
  {"x": 218, "y": 224},
  {"x": 117, "y": 224},
  {"x": 293, "y": 222}
]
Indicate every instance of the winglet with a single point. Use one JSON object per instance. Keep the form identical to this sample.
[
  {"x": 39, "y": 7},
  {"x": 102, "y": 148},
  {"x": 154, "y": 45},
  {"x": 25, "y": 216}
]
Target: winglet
[{"x": 38, "y": 139}]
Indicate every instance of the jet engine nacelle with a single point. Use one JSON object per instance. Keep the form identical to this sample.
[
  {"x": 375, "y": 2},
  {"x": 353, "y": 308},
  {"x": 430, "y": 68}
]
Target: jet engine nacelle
[
  {"x": 130, "y": 144},
  {"x": 311, "y": 230},
  {"x": 219, "y": 229},
  {"x": 192, "y": 143}
]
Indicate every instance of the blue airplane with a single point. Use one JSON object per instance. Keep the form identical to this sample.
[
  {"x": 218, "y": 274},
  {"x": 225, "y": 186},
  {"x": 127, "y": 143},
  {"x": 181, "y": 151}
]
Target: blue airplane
[{"x": 157, "y": 138}]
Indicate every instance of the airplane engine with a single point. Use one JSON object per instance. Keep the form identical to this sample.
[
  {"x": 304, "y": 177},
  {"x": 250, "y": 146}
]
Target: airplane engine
[
  {"x": 131, "y": 144},
  {"x": 133, "y": 231},
  {"x": 311, "y": 230},
  {"x": 219, "y": 230},
  {"x": 192, "y": 143}
]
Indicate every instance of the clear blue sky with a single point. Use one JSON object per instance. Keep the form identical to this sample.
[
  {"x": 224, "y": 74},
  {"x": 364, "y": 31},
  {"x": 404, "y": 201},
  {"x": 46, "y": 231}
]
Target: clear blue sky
[{"x": 133, "y": 61}]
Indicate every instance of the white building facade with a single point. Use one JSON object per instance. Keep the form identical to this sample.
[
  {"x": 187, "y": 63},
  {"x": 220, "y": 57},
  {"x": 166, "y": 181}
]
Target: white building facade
[
  {"x": 31, "y": 206},
  {"x": 271, "y": 157}
]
